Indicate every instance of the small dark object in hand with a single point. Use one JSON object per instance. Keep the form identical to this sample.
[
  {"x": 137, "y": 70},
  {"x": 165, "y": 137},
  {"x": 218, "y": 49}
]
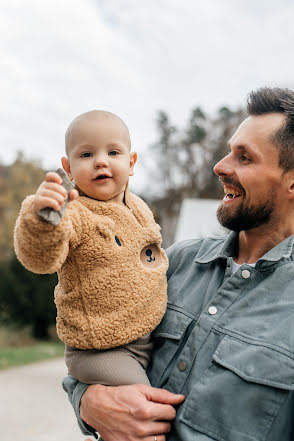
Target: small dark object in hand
[{"x": 53, "y": 216}]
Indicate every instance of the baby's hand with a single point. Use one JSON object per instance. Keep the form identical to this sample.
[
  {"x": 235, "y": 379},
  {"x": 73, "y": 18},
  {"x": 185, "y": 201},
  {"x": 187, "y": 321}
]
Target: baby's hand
[{"x": 52, "y": 194}]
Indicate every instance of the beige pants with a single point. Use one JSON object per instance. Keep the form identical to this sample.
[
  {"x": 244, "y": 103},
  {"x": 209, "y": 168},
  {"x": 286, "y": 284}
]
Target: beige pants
[{"x": 113, "y": 367}]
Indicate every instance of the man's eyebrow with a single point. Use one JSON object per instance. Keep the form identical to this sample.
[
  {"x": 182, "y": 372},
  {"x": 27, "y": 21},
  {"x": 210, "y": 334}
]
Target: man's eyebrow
[{"x": 241, "y": 147}]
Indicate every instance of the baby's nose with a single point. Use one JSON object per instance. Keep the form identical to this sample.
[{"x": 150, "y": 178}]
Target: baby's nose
[{"x": 101, "y": 160}]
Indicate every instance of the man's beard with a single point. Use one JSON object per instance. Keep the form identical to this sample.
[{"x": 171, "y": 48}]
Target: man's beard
[{"x": 246, "y": 217}]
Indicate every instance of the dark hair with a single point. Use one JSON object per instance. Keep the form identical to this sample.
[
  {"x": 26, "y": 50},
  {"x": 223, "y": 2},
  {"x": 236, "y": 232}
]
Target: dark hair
[{"x": 268, "y": 100}]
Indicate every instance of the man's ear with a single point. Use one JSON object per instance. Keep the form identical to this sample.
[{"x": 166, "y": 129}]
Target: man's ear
[
  {"x": 66, "y": 166},
  {"x": 291, "y": 191},
  {"x": 291, "y": 185},
  {"x": 133, "y": 160}
]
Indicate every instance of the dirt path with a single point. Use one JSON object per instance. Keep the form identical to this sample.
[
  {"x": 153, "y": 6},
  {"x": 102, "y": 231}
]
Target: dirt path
[{"x": 34, "y": 406}]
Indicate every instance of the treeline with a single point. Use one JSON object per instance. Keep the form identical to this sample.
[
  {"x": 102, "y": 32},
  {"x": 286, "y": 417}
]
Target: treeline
[
  {"x": 26, "y": 299},
  {"x": 180, "y": 163}
]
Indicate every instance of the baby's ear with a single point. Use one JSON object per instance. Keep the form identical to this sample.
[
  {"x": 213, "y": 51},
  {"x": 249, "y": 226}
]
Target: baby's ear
[
  {"x": 133, "y": 160},
  {"x": 66, "y": 166}
]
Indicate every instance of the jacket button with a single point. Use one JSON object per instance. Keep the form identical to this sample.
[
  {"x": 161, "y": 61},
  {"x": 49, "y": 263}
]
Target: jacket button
[
  {"x": 212, "y": 310},
  {"x": 182, "y": 365},
  {"x": 245, "y": 274}
]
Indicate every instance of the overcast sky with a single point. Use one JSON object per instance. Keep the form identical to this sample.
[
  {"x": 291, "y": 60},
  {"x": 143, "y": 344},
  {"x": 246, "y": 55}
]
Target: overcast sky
[{"x": 60, "y": 58}]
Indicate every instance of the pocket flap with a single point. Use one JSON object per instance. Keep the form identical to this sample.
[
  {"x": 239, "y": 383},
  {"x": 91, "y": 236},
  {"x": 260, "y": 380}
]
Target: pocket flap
[
  {"x": 173, "y": 325},
  {"x": 256, "y": 363}
]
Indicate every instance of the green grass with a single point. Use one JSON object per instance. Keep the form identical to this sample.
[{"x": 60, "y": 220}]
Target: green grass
[{"x": 17, "y": 356}]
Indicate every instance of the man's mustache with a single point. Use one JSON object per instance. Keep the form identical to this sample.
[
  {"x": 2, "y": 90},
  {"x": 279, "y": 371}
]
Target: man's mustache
[{"x": 232, "y": 182}]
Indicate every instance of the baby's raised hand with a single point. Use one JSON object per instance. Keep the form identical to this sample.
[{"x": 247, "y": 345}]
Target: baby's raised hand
[{"x": 52, "y": 194}]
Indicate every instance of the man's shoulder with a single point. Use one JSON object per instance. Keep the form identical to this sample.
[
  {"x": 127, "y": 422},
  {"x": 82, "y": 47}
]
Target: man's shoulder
[
  {"x": 187, "y": 250},
  {"x": 194, "y": 245}
]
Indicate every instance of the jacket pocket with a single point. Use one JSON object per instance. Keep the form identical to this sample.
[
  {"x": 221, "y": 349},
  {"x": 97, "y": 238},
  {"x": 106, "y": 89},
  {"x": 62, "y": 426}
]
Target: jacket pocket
[
  {"x": 168, "y": 338},
  {"x": 241, "y": 392}
]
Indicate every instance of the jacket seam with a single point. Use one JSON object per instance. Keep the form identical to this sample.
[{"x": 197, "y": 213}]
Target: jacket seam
[
  {"x": 253, "y": 341},
  {"x": 182, "y": 311}
]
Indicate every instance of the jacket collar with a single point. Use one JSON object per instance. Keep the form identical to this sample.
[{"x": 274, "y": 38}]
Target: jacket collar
[
  {"x": 224, "y": 247},
  {"x": 217, "y": 248},
  {"x": 95, "y": 203}
]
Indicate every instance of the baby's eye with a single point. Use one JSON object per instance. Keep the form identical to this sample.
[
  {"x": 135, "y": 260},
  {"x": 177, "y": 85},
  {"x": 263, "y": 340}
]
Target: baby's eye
[
  {"x": 113, "y": 153},
  {"x": 86, "y": 155}
]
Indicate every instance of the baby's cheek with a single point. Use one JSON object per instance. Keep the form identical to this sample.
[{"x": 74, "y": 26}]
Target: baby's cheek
[{"x": 150, "y": 256}]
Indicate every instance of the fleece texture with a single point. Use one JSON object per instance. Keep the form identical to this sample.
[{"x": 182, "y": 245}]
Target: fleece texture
[{"x": 110, "y": 264}]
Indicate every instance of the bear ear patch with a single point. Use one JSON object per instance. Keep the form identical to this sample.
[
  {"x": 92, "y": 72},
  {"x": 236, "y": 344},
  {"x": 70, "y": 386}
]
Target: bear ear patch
[{"x": 117, "y": 241}]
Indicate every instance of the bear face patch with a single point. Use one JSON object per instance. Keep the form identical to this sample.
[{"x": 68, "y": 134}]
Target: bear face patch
[{"x": 150, "y": 256}]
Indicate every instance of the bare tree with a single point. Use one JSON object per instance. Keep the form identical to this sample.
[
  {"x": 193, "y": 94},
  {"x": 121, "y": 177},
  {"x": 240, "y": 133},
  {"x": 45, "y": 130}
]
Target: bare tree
[{"x": 183, "y": 162}]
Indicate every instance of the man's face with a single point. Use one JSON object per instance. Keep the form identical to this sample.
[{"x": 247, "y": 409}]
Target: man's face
[{"x": 253, "y": 181}]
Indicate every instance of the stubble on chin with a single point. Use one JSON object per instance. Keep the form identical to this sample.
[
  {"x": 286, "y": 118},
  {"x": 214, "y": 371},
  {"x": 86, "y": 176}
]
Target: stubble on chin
[{"x": 244, "y": 217}]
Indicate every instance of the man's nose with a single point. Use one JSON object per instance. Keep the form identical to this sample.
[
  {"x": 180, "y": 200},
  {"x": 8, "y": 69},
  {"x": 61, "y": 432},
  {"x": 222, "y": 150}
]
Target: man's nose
[{"x": 223, "y": 167}]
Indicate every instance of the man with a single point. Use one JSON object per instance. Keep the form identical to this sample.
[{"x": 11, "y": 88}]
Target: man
[{"x": 227, "y": 340}]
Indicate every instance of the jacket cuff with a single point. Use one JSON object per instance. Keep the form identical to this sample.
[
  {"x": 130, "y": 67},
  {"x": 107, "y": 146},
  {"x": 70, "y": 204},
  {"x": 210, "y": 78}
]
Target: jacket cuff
[
  {"x": 35, "y": 223},
  {"x": 75, "y": 391}
]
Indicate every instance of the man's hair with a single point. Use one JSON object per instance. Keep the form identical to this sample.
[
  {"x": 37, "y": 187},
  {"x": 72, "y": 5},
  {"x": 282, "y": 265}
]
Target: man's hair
[{"x": 268, "y": 100}]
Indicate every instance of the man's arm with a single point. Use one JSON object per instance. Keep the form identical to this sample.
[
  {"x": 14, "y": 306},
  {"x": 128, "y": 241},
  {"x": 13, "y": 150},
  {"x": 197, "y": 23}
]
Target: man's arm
[
  {"x": 75, "y": 391},
  {"x": 125, "y": 413}
]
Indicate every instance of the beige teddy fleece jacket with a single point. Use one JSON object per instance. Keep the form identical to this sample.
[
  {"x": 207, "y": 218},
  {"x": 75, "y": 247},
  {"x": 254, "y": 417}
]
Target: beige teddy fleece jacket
[{"x": 111, "y": 268}]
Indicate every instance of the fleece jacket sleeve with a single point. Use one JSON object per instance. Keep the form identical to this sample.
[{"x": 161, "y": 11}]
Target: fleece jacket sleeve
[{"x": 41, "y": 247}]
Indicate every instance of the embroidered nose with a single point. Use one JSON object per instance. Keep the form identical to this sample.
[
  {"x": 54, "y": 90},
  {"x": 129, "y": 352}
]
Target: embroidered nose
[{"x": 149, "y": 254}]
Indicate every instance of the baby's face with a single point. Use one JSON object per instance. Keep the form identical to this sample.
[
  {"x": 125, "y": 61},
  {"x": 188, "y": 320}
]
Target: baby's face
[{"x": 99, "y": 158}]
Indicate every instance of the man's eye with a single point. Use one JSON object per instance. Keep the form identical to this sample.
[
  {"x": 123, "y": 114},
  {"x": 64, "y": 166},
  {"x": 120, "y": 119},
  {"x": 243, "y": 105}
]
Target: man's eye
[
  {"x": 113, "y": 153},
  {"x": 86, "y": 155},
  {"x": 244, "y": 158}
]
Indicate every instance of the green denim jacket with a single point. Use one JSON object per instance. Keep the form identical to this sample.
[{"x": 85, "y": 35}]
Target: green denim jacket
[{"x": 227, "y": 343}]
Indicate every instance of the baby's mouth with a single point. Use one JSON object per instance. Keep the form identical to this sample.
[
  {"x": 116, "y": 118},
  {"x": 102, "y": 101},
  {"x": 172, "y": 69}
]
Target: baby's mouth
[{"x": 102, "y": 177}]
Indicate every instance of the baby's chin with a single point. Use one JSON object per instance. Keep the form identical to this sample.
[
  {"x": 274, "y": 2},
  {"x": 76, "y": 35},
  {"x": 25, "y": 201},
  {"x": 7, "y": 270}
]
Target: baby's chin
[
  {"x": 120, "y": 198},
  {"x": 81, "y": 193}
]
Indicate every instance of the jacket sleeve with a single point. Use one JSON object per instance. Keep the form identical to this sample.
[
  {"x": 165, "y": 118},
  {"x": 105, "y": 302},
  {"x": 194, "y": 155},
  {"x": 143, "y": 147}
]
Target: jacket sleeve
[
  {"x": 41, "y": 247},
  {"x": 75, "y": 391}
]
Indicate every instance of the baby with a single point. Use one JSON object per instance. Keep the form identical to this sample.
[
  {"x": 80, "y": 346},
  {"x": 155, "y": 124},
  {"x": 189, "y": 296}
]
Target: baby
[{"x": 106, "y": 250}]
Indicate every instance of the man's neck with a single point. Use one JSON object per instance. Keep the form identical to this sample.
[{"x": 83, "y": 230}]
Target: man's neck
[{"x": 255, "y": 243}]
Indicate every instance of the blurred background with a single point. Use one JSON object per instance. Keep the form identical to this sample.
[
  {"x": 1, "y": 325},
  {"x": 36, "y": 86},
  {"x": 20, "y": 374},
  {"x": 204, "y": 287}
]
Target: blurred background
[{"x": 177, "y": 72}]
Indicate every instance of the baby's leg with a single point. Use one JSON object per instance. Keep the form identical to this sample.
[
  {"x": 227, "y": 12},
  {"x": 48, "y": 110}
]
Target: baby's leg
[{"x": 113, "y": 367}]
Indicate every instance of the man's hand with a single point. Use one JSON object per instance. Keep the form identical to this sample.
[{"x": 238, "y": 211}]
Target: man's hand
[
  {"x": 52, "y": 194},
  {"x": 129, "y": 413}
]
